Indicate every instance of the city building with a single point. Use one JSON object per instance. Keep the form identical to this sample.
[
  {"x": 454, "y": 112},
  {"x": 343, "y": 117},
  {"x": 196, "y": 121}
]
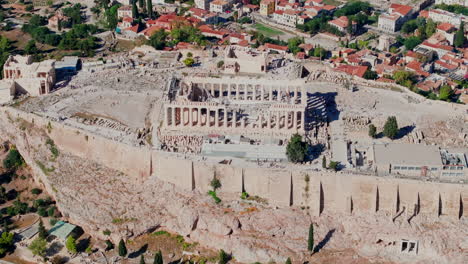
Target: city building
[
  {"x": 203, "y": 15},
  {"x": 219, "y": 6},
  {"x": 244, "y": 60},
  {"x": 203, "y": 4},
  {"x": 33, "y": 78},
  {"x": 124, "y": 11},
  {"x": 342, "y": 24},
  {"x": 267, "y": 7},
  {"x": 394, "y": 19},
  {"x": 442, "y": 16}
]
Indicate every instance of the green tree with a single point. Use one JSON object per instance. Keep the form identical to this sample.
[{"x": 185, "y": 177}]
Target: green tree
[
  {"x": 293, "y": 44},
  {"x": 189, "y": 62},
  {"x": 135, "y": 14},
  {"x": 431, "y": 27},
  {"x": 142, "y": 259},
  {"x": 324, "y": 162},
  {"x": 223, "y": 257},
  {"x": 6, "y": 242},
  {"x": 122, "y": 248},
  {"x": 372, "y": 131},
  {"x": 296, "y": 149},
  {"x": 288, "y": 261},
  {"x": 141, "y": 4},
  {"x": 38, "y": 247},
  {"x": 42, "y": 232},
  {"x": 13, "y": 159},
  {"x": 158, "y": 258},
  {"x": 391, "y": 127},
  {"x": 111, "y": 17},
  {"x": 30, "y": 47},
  {"x": 310, "y": 241},
  {"x": 158, "y": 39},
  {"x": 445, "y": 92},
  {"x": 370, "y": 75},
  {"x": 411, "y": 42},
  {"x": 460, "y": 36},
  {"x": 70, "y": 244},
  {"x": 149, "y": 6},
  {"x": 320, "y": 52}
]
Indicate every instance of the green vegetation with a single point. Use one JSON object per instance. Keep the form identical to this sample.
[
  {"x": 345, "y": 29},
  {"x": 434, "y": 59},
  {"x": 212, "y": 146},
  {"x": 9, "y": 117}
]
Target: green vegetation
[
  {"x": 215, "y": 183},
  {"x": 6, "y": 242},
  {"x": 296, "y": 149},
  {"x": 310, "y": 241},
  {"x": 215, "y": 197},
  {"x": 74, "y": 13},
  {"x": 404, "y": 78},
  {"x": 158, "y": 258},
  {"x": 70, "y": 244},
  {"x": 372, "y": 131},
  {"x": 288, "y": 261},
  {"x": 293, "y": 44},
  {"x": 333, "y": 165},
  {"x": 244, "y": 195},
  {"x": 53, "y": 149},
  {"x": 158, "y": 39},
  {"x": 267, "y": 31},
  {"x": 352, "y": 8},
  {"x": 324, "y": 162},
  {"x": 189, "y": 62},
  {"x": 161, "y": 233},
  {"x": 445, "y": 92},
  {"x": 5, "y": 49},
  {"x": 391, "y": 127},
  {"x": 245, "y": 20},
  {"x": 457, "y": 9},
  {"x": 44, "y": 169},
  {"x": 106, "y": 232},
  {"x": 122, "y": 248},
  {"x": 411, "y": 42},
  {"x": 142, "y": 259},
  {"x": 42, "y": 232},
  {"x": 370, "y": 75},
  {"x": 38, "y": 247},
  {"x": 460, "y": 39},
  {"x": 36, "y": 191},
  {"x": 13, "y": 159},
  {"x": 223, "y": 257}
]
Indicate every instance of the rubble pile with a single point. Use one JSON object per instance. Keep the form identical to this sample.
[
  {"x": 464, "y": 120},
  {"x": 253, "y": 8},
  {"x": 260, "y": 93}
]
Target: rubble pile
[{"x": 181, "y": 144}]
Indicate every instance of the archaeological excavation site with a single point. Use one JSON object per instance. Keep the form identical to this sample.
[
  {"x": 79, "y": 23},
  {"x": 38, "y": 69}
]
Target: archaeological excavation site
[{"x": 248, "y": 164}]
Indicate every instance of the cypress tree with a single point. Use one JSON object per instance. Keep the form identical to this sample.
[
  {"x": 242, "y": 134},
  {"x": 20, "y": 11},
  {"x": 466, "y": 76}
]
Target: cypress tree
[
  {"x": 310, "y": 242},
  {"x": 122, "y": 248},
  {"x": 391, "y": 127},
  {"x": 134, "y": 9},
  {"x": 41, "y": 230},
  {"x": 158, "y": 259},
  {"x": 149, "y": 8},
  {"x": 288, "y": 261},
  {"x": 460, "y": 36},
  {"x": 141, "y": 3},
  {"x": 324, "y": 162},
  {"x": 142, "y": 259}
]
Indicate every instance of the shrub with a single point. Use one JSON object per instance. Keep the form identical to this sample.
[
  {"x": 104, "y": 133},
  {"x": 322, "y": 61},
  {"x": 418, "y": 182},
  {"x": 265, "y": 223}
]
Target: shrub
[
  {"x": 38, "y": 247},
  {"x": 333, "y": 165},
  {"x": 53, "y": 221},
  {"x": 215, "y": 183},
  {"x": 244, "y": 195},
  {"x": 223, "y": 257},
  {"x": 71, "y": 245},
  {"x": 58, "y": 260},
  {"x": 13, "y": 160},
  {"x": 220, "y": 64},
  {"x": 215, "y": 197},
  {"x": 160, "y": 233},
  {"x": 36, "y": 191},
  {"x": 106, "y": 232},
  {"x": 189, "y": 62},
  {"x": 109, "y": 245},
  {"x": 372, "y": 131},
  {"x": 158, "y": 258}
]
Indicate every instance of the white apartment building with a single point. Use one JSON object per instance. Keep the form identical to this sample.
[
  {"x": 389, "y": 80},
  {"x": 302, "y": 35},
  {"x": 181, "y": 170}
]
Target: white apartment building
[
  {"x": 203, "y": 4},
  {"x": 442, "y": 16},
  {"x": 452, "y": 2}
]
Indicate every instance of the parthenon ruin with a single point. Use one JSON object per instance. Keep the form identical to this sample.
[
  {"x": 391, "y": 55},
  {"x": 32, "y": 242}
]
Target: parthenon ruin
[{"x": 241, "y": 106}]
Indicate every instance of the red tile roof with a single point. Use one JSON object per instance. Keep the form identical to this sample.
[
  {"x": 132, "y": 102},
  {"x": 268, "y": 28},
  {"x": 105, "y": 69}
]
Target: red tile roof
[
  {"x": 401, "y": 9},
  {"x": 329, "y": 7},
  {"x": 445, "y": 26},
  {"x": 437, "y": 46},
  {"x": 353, "y": 70},
  {"x": 446, "y": 65},
  {"x": 276, "y": 47},
  {"x": 424, "y": 13},
  {"x": 342, "y": 22},
  {"x": 414, "y": 65}
]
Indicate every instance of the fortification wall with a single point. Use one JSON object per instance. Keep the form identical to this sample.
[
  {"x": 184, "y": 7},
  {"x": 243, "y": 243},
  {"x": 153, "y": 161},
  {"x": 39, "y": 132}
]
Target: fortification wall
[{"x": 316, "y": 191}]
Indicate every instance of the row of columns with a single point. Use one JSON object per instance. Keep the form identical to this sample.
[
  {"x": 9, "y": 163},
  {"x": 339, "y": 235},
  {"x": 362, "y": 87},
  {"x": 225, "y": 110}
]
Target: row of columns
[
  {"x": 176, "y": 116},
  {"x": 266, "y": 92}
]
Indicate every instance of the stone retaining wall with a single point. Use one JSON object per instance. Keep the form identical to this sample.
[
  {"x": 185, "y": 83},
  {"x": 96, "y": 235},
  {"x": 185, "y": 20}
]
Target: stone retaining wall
[{"x": 315, "y": 190}]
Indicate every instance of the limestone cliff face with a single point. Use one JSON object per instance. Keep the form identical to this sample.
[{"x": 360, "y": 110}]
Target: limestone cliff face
[{"x": 99, "y": 198}]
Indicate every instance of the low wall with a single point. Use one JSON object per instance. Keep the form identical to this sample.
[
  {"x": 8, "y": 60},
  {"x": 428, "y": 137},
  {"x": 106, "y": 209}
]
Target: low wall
[{"x": 316, "y": 191}]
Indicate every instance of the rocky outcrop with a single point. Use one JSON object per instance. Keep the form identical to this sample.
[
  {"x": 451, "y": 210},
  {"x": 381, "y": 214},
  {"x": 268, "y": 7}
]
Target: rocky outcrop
[{"x": 99, "y": 198}]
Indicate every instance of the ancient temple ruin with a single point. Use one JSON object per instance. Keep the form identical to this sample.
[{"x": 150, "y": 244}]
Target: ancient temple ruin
[{"x": 236, "y": 106}]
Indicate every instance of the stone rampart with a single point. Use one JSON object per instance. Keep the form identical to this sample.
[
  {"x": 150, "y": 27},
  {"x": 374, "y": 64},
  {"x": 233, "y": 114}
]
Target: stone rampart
[{"x": 316, "y": 191}]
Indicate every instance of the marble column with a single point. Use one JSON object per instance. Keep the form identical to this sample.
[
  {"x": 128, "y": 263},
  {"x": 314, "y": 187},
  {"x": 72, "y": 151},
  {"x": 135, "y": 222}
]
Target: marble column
[
  {"x": 173, "y": 116},
  {"x": 199, "y": 116},
  {"x": 225, "y": 118},
  {"x": 262, "y": 92},
  {"x": 269, "y": 121},
  {"x": 278, "y": 116},
  {"x": 237, "y": 92},
  {"x": 271, "y": 94},
  {"x": 229, "y": 92},
  {"x": 294, "y": 122},
  {"x": 302, "y": 120},
  {"x": 217, "y": 118}
]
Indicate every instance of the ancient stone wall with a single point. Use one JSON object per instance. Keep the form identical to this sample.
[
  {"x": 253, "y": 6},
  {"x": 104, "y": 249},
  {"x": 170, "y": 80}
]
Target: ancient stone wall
[{"x": 316, "y": 191}]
